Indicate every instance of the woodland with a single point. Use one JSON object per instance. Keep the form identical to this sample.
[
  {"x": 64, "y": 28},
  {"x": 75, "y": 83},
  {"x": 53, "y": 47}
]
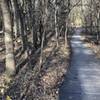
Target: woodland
[{"x": 35, "y": 47}]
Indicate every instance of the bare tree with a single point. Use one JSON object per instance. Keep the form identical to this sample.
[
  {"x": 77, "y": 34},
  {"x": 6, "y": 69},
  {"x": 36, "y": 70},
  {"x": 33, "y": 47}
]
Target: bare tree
[{"x": 10, "y": 62}]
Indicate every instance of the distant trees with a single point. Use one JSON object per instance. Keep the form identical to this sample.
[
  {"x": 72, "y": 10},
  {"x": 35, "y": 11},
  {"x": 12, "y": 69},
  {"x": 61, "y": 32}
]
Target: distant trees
[{"x": 92, "y": 19}]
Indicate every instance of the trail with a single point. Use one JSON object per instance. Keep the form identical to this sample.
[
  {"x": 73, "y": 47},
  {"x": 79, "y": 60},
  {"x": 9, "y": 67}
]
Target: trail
[{"x": 82, "y": 81}]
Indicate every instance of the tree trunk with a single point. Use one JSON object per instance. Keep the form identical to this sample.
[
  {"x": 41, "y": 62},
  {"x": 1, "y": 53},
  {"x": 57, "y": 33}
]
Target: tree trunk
[
  {"x": 15, "y": 22},
  {"x": 10, "y": 62}
]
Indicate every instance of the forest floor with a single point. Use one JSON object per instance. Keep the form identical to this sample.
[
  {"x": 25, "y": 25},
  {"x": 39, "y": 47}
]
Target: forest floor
[
  {"x": 35, "y": 82},
  {"x": 82, "y": 82},
  {"x": 93, "y": 46}
]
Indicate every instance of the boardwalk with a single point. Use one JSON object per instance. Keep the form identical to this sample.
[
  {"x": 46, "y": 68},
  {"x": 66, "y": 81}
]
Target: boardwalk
[{"x": 83, "y": 79}]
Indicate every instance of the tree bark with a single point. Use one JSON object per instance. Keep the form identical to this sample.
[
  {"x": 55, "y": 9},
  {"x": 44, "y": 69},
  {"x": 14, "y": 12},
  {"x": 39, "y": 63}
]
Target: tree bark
[{"x": 9, "y": 61}]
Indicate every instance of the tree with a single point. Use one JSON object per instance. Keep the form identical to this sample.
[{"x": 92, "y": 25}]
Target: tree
[{"x": 9, "y": 61}]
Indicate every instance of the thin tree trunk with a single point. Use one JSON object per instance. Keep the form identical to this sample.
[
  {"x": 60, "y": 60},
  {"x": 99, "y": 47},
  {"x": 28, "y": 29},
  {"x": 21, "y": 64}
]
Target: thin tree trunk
[
  {"x": 56, "y": 29},
  {"x": 13, "y": 2},
  {"x": 66, "y": 34},
  {"x": 44, "y": 20}
]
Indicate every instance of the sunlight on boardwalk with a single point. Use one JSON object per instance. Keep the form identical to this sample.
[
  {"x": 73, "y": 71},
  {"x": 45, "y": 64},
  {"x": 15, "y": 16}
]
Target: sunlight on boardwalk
[{"x": 83, "y": 79}]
